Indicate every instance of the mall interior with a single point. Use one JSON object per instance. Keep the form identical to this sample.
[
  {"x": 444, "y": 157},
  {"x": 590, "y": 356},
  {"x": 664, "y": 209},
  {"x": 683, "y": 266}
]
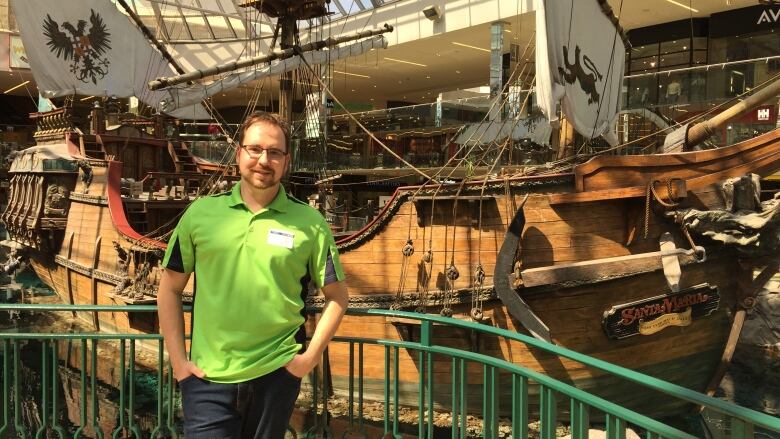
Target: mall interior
[{"x": 443, "y": 66}]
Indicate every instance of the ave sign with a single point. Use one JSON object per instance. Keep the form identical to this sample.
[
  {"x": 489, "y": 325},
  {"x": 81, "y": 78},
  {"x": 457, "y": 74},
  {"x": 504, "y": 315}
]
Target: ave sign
[{"x": 769, "y": 16}]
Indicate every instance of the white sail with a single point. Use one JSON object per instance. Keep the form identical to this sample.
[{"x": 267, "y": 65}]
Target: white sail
[
  {"x": 187, "y": 95},
  {"x": 90, "y": 48},
  {"x": 580, "y": 59}
]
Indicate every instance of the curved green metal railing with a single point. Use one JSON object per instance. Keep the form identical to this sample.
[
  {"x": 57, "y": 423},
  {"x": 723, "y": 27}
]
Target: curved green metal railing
[{"x": 742, "y": 422}]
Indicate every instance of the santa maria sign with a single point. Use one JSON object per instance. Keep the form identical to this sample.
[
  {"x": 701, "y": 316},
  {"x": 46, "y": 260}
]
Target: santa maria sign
[{"x": 651, "y": 315}]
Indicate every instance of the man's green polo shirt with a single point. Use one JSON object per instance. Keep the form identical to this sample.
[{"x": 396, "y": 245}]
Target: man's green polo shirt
[{"x": 252, "y": 272}]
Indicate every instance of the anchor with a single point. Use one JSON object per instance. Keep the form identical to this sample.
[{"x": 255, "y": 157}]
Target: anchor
[{"x": 505, "y": 263}]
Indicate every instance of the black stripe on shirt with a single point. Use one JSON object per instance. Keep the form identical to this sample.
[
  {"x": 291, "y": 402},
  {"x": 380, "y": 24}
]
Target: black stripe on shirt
[
  {"x": 330, "y": 271},
  {"x": 175, "y": 261}
]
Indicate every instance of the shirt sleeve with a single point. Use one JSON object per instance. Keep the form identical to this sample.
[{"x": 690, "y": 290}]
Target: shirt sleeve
[
  {"x": 324, "y": 262},
  {"x": 180, "y": 254}
]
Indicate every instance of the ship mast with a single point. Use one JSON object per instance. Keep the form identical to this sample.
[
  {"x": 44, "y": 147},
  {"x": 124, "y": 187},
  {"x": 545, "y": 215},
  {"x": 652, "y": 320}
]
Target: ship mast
[{"x": 287, "y": 14}]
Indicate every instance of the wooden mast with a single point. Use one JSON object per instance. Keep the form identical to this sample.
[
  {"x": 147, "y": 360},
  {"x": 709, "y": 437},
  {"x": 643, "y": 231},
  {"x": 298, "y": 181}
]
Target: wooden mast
[{"x": 286, "y": 90}]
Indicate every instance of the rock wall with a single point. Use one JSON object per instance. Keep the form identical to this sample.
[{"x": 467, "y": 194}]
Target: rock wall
[{"x": 753, "y": 380}]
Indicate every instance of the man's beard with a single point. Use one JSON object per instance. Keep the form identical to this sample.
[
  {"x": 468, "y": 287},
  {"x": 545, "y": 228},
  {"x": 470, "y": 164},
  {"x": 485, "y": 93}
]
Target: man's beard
[{"x": 260, "y": 181}]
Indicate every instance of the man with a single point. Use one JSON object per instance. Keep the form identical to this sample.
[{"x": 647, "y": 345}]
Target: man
[{"x": 254, "y": 251}]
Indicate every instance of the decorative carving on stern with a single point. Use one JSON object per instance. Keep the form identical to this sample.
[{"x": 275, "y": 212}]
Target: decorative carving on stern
[
  {"x": 56, "y": 201},
  {"x": 52, "y": 125},
  {"x": 36, "y": 215},
  {"x": 141, "y": 286},
  {"x": 746, "y": 223}
]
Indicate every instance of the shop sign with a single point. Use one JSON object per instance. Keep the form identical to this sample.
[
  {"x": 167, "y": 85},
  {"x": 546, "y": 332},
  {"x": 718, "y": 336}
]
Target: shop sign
[
  {"x": 769, "y": 16},
  {"x": 18, "y": 54},
  {"x": 745, "y": 21},
  {"x": 762, "y": 114},
  {"x": 651, "y": 315}
]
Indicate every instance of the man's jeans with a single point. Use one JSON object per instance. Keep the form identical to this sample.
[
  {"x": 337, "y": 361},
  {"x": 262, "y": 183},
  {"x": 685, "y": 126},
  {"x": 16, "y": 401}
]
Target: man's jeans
[{"x": 256, "y": 409}]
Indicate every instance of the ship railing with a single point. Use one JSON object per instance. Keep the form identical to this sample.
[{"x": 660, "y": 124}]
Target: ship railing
[{"x": 106, "y": 393}]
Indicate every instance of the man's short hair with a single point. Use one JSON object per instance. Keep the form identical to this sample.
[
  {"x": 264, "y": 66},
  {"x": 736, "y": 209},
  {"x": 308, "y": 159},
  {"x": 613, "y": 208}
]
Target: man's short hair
[{"x": 270, "y": 118}]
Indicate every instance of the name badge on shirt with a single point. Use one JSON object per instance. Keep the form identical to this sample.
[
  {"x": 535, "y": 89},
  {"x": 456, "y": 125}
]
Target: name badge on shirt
[{"x": 281, "y": 238}]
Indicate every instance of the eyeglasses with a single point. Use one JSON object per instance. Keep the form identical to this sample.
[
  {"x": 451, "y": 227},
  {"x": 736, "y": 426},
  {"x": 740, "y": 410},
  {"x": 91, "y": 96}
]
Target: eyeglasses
[{"x": 272, "y": 154}]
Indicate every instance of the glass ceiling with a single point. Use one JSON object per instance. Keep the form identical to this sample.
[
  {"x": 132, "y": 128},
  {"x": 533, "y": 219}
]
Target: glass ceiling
[{"x": 211, "y": 21}]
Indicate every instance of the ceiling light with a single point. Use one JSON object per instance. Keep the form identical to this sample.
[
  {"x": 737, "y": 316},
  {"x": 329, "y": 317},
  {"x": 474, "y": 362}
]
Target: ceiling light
[
  {"x": 352, "y": 74},
  {"x": 471, "y": 47},
  {"x": 507, "y": 31},
  {"x": 682, "y": 5},
  {"x": 16, "y": 86},
  {"x": 406, "y": 62},
  {"x": 84, "y": 99}
]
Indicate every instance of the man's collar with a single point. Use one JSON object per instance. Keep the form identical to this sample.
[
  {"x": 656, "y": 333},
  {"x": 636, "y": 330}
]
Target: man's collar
[{"x": 278, "y": 204}]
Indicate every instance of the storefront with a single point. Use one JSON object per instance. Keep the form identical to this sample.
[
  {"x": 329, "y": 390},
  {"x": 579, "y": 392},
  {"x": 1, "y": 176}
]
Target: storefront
[
  {"x": 747, "y": 40},
  {"x": 18, "y": 95}
]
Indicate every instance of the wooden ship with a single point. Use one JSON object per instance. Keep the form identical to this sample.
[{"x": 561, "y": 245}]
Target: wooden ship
[
  {"x": 550, "y": 255},
  {"x": 589, "y": 259}
]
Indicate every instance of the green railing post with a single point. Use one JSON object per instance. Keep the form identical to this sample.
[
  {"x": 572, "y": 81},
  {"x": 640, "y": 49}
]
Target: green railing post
[
  {"x": 54, "y": 394},
  {"x": 454, "y": 400},
  {"x": 131, "y": 410},
  {"x": 122, "y": 385},
  {"x": 171, "y": 386},
  {"x": 351, "y": 387},
  {"x": 44, "y": 391},
  {"x": 326, "y": 375},
  {"x": 421, "y": 394},
  {"x": 18, "y": 424},
  {"x": 495, "y": 382},
  {"x": 740, "y": 429},
  {"x": 158, "y": 429},
  {"x": 386, "y": 404},
  {"x": 548, "y": 412},
  {"x": 396, "y": 384},
  {"x": 464, "y": 399},
  {"x": 485, "y": 402},
  {"x": 426, "y": 336},
  {"x": 6, "y": 384},
  {"x": 361, "y": 417},
  {"x": 519, "y": 407},
  {"x": 83, "y": 385},
  {"x": 580, "y": 419},
  {"x": 616, "y": 427},
  {"x": 93, "y": 363}
]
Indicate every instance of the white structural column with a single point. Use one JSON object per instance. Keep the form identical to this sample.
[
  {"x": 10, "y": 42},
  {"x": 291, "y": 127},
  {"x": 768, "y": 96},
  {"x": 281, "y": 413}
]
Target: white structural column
[
  {"x": 496, "y": 67},
  {"x": 496, "y": 57}
]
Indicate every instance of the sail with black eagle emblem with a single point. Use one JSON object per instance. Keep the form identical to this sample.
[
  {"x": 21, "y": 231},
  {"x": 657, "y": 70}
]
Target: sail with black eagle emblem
[{"x": 92, "y": 49}]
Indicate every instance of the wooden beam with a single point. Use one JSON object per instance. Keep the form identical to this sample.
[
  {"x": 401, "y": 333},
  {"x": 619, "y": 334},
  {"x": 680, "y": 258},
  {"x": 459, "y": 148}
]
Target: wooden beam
[
  {"x": 679, "y": 190},
  {"x": 600, "y": 269}
]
